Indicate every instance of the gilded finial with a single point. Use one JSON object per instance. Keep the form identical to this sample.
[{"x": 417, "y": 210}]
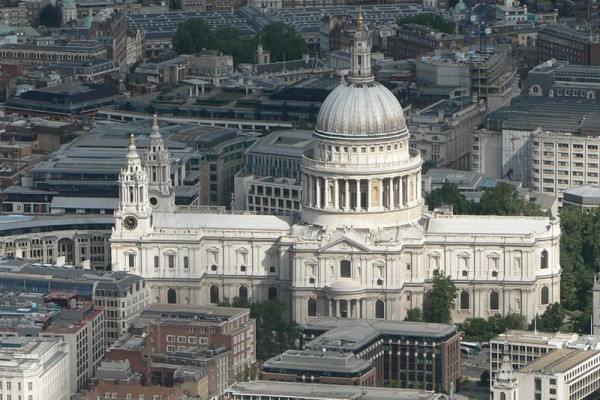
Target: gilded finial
[
  {"x": 359, "y": 24},
  {"x": 132, "y": 140},
  {"x": 155, "y": 120}
]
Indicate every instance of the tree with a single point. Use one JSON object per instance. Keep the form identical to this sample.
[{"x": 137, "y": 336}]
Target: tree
[
  {"x": 414, "y": 315},
  {"x": 504, "y": 199},
  {"x": 50, "y": 16},
  {"x": 230, "y": 41},
  {"x": 283, "y": 41},
  {"x": 274, "y": 334},
  {"x": 192, "y": 36},
  {"x": 499, "y": 324},
  {"x": 485, "y": 377},
  {"x": 551, "y": 320},
  {"x": 448, "y": 194},
  {"x": 476, "y": 329},
  {"x": 439, "y": 301}
]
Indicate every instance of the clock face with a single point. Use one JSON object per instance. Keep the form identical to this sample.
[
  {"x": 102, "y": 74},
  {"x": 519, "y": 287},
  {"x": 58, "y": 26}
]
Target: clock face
[{"x": 130, "y": 222}]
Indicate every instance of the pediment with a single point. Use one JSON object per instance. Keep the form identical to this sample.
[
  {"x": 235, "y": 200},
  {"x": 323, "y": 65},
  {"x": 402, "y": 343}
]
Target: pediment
[{"x": 345, "y": 243}]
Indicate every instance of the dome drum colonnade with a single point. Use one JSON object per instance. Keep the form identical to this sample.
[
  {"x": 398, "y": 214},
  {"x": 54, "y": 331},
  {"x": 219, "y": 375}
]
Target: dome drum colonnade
[{"x": 361, "y": 168}]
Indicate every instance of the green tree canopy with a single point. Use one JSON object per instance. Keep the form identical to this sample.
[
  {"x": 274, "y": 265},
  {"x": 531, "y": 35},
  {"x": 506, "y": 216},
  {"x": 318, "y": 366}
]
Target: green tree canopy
[
  {"x": 448, "y": 194},
  {"x": 432, "y": 20},
  {"x": 274, "y": 334},
  {"x": 439, "y": 301},
  {"x": 551, "y": 320},
  {"x": 414, "y": 315},
  {"x": 192, "y": 36},
  {"x": 283, "y": 41},
  {"x": 50, "y": 16},
  {"x": 504, "y": 199}
]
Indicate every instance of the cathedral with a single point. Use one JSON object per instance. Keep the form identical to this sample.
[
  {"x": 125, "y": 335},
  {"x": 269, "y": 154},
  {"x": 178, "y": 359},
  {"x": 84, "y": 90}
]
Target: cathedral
[{"x": 364, "y": 247}]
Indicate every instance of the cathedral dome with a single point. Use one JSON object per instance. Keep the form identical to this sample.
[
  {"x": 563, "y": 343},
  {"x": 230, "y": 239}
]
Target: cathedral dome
[{"x": 361, "y": 109}]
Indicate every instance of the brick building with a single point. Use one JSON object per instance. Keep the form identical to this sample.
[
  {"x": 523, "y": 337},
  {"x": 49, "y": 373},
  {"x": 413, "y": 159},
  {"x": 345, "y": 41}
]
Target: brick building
[{"x": 568, "y": 44}]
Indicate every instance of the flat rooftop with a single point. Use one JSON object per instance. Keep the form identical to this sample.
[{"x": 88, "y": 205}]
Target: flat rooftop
[
  {"x": 329, "y": 392},
  {"x": 176, "y": 312},
  {"x": 559, "y": 361},
  {"x": 317, "y": 360},
  {"x": 351, "y": 334}
]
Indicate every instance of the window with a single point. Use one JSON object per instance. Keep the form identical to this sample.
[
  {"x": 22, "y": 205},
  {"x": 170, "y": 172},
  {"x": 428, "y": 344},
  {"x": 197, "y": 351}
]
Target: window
[
  {"x": 345, "y": 269},
  {"x": 272, "y": 293},
  {"x": 272, "y": 270},
  {"x": 243, "y": 292},
  {"x": 170, "y": 338},
  {"x": 494, "y": 301},
  {"x": 545, "y": 295},
  {"x": 186, "y": 262},
  {"x": 131, "y": 260},
  {"x": 171, "y": 261},
  {"x": 464, "y": 300},
  {"x": 156, "y": 264},
  {"x": 213, "y": 267},
  {"x": 171, "y": 296},
  {"x": 312, "y": 307},
  {"x": 379, "y": 309},
  {"x": 214, "y": 294},
  {"x": 544, "y": 260}
]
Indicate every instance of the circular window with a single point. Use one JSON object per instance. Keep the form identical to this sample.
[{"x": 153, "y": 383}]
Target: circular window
[{"x": 153, "y": 201}]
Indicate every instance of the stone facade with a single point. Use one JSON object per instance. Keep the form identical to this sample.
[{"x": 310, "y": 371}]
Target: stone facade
[{"x": 364, "y": 247}]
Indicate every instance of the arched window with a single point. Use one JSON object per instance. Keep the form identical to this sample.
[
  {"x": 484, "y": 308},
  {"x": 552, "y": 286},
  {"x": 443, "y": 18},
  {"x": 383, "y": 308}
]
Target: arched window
[
  {"x": 272, "y": 293},
  {"x": 171, "y": 296},
  {"x": 345, "y": 269},
  {"x": 544, "y": 260},
  {"x": 186, "y": 262},
  {"x": 272, "y": 270},
  {"x": 545, "y": 295},
  {"x": 494, "y": 301},
  {"x": 156, "y": 264},
  {"x": 464, "y": 300},
  {"x": 312, "y": 308},
  {"x": 214, "y": 294},
  {"x": 213, "y": 267},
  {"x": 502, "y": 396},
  {"x": 379, "y": 309},
  {"x": 243, "y": 292}
]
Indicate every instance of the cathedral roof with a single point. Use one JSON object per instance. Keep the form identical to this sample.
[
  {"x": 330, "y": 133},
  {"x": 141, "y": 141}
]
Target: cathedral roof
[
  {"x": 223, "y": 221},
  {"x": 361, "y": 110}
]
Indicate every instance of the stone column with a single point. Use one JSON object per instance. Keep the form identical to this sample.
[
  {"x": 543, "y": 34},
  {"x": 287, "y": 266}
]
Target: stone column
[
  {"x": 348, "y": 308},
  {"x": 311, "y": 193},
  {"x": 418, "y": 192},
  {"x": 326, "y": 193},
  {"x": 347, "y": 197},
  {"x": 318, "y": 191},
  {"x": 381, "y": 194},
  {"x": 336, "y": 194},
  {"x": 369, "y": 194},
  {"x": 337, "y": 308},
  {"x": 392, "y": 206},
  {"x": 330, "y": 305},
  {"x": 401, "y": 192},
  {"x": 358, "y": 199}
]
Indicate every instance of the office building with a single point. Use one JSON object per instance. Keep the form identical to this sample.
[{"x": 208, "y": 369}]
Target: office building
[
  {"x": 122, "y": 297},
  {"x": 34, "y": 368},
  {"x": 565, "y": 43},
  {"x": 270, "y": 180},
  {"x": 409, "y": 353}
]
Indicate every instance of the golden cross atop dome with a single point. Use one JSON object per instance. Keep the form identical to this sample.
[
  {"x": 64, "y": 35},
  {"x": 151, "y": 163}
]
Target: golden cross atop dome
[
  {"x": 155, "y": 120},
  {"x": 359, "y": 23},
  {"x": 132, "y": 140}
]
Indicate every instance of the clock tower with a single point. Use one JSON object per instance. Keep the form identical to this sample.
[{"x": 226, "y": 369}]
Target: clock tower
[
  {"x": 157, "y": 162},
  {"x": 134, "y": 211}
]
